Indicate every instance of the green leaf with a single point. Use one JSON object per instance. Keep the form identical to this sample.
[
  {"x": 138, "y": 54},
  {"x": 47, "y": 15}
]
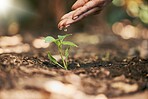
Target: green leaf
[
  {"x": 54, "y": 60},
  {"x": 67, "y": 52},
  {"x": 69, "y": 43},
  {"x": 62, "y": 37},
  {"x": 49, "y": 39}
]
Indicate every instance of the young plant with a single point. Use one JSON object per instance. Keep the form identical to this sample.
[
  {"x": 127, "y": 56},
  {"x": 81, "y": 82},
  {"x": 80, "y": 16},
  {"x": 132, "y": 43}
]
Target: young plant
[{"x": 64, "y": 53}]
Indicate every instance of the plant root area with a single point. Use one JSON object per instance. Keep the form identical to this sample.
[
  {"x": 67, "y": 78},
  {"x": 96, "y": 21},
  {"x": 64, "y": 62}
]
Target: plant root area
[{"x": 24, "y": 76}]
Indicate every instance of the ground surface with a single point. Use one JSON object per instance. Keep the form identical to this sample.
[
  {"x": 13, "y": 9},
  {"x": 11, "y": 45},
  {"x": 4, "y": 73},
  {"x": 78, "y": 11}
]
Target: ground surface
[
  {"x": 95, "y": 71},
  {"x": 24, "y": 77}
]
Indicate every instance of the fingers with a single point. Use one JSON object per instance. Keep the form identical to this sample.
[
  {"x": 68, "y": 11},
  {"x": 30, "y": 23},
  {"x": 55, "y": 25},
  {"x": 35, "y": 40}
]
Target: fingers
[
  {"x": 65, "y": 18},
  {"x": 88, "y": 13},
  {"x": 82, "y": 8},
  {"x": 62, "y": 24},
  {"x": 68, "y": 15},
  {"x": 79, "y": 3},
  {"x": 89, "y": 5},
  {"x": 69, "y": 20},
  {"x": 65, "y": 23}
]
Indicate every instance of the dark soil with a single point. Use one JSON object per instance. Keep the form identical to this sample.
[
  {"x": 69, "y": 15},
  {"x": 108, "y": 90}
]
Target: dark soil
[{"x": 23, "y": 76}]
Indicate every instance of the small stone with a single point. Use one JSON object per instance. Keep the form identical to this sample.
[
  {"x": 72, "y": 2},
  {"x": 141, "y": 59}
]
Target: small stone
[{"x": 78, "y": 65}]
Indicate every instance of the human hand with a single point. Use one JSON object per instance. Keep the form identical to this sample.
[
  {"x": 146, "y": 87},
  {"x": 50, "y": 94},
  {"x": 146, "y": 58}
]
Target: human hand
[{"x": 81, "y": 9}]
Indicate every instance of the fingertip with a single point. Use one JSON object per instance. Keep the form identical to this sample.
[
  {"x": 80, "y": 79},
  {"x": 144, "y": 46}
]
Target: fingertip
[
  {"x": 60, "y": 26},
  {"x": 68, "y": 25},
  {"x": 73, "y": 8},
  {"x": 79, "y": 3},
  {"x": 63, "y": 24}
]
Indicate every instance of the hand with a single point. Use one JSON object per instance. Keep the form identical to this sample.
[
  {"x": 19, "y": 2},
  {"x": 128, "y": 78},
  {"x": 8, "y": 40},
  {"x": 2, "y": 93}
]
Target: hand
[{"x": 81, "y": 9}]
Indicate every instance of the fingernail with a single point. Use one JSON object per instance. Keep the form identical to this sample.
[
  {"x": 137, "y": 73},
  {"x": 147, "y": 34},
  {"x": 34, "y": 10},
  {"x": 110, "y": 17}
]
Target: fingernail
[
  {"x": 67, "y": 26},
  {"x": 75, "y": 17},
  {"x": 61, "y": 28}
]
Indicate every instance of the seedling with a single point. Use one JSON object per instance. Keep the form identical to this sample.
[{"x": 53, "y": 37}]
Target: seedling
[{"x": 64, "y": 53}]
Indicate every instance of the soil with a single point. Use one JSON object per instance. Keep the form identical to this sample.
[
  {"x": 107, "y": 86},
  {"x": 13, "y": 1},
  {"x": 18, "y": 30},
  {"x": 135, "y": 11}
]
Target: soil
[
  {"x": 24, "y": 76},
  {"x": 96, "y": 71}
]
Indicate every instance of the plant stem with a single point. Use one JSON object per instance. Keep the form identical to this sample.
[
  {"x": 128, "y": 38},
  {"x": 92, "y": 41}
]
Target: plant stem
[{"x": 61, "y": 54}]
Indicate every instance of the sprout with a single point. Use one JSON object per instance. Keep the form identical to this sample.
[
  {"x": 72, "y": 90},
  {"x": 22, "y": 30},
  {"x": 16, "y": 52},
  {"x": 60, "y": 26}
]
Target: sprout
[{"x": 63, "y": 52}]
